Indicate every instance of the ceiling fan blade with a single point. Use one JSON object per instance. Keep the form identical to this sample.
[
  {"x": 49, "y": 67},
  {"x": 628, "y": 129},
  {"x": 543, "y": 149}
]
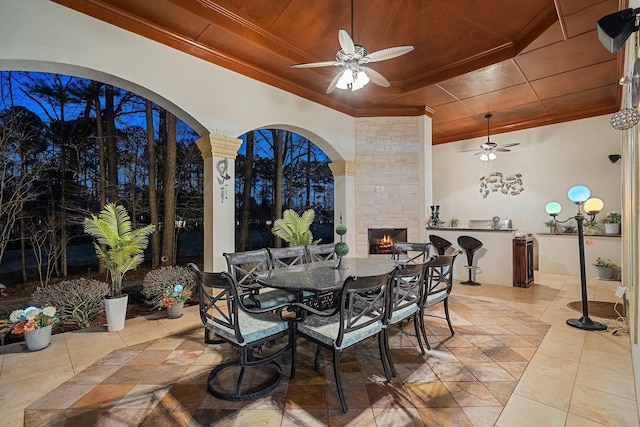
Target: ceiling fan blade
[
  {"x": 502, "y": 149},
  {"x": 513, "y": 144},
  {"x": 388, "y": 53},
  {"x": 346, "y": 42},
  {"x": 376, "y": 77},
  {"x": 317, "y": 64},
  {"x": 470, "y": 150},
  {"x": 334, "y": 82}
]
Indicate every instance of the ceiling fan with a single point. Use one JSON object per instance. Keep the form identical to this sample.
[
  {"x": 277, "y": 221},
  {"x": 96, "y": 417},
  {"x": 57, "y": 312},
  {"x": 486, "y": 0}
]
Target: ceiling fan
[
  {"x": 351, "y": 59},
  {"x": 487, "y": 150}
]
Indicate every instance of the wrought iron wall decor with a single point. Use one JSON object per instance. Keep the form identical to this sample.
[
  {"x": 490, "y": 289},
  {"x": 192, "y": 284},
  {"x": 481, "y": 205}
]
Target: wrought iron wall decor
[{"x": 496, "y": 182}]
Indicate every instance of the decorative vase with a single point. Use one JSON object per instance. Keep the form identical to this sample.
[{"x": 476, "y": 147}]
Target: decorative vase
[
  {"x": 612, "y": 228},
  {"x": 605, "y": 273},
  {"x": 174, "y": 311},
  {"x": 552, "y": 229},
  {"x": 589, "y": 231},
  {"x": 38, "y": 338},
  {"x": 116, "y": 311}
]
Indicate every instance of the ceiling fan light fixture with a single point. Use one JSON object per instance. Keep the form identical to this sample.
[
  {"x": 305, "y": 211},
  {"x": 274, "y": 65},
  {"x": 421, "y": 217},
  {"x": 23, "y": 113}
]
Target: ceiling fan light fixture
[
  {"x": 492, "y": 155},
  {"x": 350, "y": 80},
  {"x": 484, "y": 157}
]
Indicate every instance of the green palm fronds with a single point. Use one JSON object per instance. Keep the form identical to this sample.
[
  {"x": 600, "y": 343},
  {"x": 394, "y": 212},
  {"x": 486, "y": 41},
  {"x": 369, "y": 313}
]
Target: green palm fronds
[
  {"x": 294, "y": 228},
  {"x": 124, "y": 247}
]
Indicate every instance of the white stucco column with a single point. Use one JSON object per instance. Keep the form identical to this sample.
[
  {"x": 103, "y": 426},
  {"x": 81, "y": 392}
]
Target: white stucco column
[
  {"x": 219, "y": 153},
  {"x": 344, "y": 194}
]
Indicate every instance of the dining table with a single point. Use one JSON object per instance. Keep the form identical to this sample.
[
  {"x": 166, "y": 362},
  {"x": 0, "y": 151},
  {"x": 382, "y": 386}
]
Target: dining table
[{"x": 316, "y": 283}]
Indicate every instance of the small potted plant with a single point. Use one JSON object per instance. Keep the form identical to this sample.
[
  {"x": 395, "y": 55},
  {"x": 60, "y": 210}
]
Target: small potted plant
[
  {"x": 174, "y": 298},
  {"x": 36, "y": 324},
  {"x": 552, "y": 224},
  {"x": 453, "y": 222},
  {"x": 590, "y": 227},
  {"x": 612, "y": 222},
  {"x": 606, "y": 268}
]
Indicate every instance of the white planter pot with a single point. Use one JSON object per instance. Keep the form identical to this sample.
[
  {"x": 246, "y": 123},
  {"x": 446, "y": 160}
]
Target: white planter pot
[
  {"x": 116, "y": 310},
  {"x": 610, "y": 228},
  {"x": 605, "y": 273},
  {"x": 174, "y": 311},
  {"x": 38, "y": 338}
]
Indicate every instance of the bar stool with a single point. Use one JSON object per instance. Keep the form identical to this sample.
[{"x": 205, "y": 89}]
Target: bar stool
[
  {"x": 439, "y": 243},
  {"x": 470, "y": 245}
]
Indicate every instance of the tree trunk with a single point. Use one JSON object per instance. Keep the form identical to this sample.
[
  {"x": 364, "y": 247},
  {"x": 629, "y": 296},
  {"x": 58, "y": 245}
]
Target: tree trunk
[
  {"x": 277, "y": 185},
  {"x": 153, "y": 202},
  {"x": 169, "y": 223},
  {"x": 245, "y": 214},
  {"x": 307, "y": 174},
  {"x": 112, "y": 148}
]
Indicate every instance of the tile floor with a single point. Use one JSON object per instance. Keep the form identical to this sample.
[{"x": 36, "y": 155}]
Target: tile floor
[{"x": 512, "y": 362}]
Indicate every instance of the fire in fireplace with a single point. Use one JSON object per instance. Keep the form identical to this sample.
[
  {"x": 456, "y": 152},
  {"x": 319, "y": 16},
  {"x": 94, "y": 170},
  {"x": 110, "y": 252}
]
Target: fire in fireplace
[{"x": 381, "y": 240}]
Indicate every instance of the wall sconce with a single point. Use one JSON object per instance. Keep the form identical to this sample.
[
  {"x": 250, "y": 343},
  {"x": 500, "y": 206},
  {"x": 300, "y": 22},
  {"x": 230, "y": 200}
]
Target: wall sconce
[{"x": 580, "y": 196}]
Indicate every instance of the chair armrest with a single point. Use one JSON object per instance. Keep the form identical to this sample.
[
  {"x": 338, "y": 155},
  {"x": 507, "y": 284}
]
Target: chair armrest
[{"x": 325, "y": 313}]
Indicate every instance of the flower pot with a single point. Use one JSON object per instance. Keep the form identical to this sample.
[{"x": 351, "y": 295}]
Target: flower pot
[
  {"x": 552, "y": 229},
  {"x": 116, "y": 311},
  {"x": 174, "y": 311},
  {"x": 612, "y": 228},
  {"x": 38, "y": 338},
  {"x": 589, "y": 231},
  {"x": 605, "y": 273}
]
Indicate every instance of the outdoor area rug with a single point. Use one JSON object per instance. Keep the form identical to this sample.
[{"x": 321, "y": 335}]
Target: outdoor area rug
[
  {"x": 464, "y": 380},
  {"x": 605, "y": 310}
]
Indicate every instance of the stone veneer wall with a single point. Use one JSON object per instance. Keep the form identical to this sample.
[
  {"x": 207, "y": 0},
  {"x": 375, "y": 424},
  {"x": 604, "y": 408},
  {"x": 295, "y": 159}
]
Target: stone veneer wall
[{"x": 387, "y": 184}]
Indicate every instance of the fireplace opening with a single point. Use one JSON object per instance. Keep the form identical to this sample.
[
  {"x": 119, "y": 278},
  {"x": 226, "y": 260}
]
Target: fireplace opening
[{"x": 381, "y": 240}]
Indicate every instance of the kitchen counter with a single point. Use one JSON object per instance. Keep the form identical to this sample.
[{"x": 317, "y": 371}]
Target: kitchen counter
[
  {"x": 494, "y": 258},
  {"x": 502, "y": 230}
]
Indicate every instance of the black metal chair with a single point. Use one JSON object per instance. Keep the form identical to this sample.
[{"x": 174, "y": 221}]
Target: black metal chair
[
  {"x": 406, "y": 252},
  {"x": 286, "y": 257},
  {"x": 439, "y": 243},
  {"x": 407, "y": 285},
  {"x": 223, "y": 313},
  {"x": 470, "y": 245},
  {"x": 359, "y": 315},
  {"x": 244, "y": 267},
  {"x": 324, "y": 252},
  {"x": 439, "y": 282}
]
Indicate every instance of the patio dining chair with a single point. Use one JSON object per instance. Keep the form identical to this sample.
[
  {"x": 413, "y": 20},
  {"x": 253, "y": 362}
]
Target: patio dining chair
[
  {"x": 318, "y": 253},
  {"x": 359, "y": 315},
  {"x": 407, "y": 252},
  {"x": 224, "y": 315},
  {"x": 406, "y": 288},
  {"x": 245, "y": 267},
  {"x": 439, "y": 282},
  {"x": 286, "y": 257}
]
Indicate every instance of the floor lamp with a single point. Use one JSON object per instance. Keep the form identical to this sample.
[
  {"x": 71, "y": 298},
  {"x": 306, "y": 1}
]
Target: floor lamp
[{"x": 580, "y": 196}]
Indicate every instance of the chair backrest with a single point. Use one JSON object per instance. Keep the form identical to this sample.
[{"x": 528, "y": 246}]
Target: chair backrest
[
  {"x": 439, "y": 274},
  {"x": 324, "y": 252},
  {"x": 411, "y": 252},
  {"x": 285, "y": 257},
  {"x": 362, "y": 303},
  {"x": 407, "y": 286},
  {"x": 244, "y": 266},
  {"x": 218, "y": 301},
  {"x": 441, "y": 244}
]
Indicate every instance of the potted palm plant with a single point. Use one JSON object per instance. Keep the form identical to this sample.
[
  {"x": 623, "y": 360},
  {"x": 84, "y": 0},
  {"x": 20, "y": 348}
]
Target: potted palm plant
[
  {"x": 123, "y": 251},
  {"x": 294, "y": 228}
]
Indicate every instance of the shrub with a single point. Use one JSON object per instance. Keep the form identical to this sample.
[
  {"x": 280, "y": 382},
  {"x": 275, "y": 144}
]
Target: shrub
[
  {"x": 156, "y": 282},
  {"x": 79, "y": 301}
]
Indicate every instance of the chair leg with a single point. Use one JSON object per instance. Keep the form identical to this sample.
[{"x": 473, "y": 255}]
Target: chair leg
[
  {"x": 294, "y": 345},
  {"x": 388, "y": 365},
  {"x": 423, "y": 330},
  {"x": 336, "y": 374},
  {"x": 416, "y": 326},
  {"x": 446, "y": 312}
]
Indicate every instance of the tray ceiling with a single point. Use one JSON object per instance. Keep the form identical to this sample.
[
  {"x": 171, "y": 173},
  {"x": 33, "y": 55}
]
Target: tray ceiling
[{"x": 529, "y": 63}]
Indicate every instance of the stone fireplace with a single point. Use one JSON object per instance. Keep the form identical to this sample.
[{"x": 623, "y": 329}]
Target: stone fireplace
[{"x": 381, "y": 240}]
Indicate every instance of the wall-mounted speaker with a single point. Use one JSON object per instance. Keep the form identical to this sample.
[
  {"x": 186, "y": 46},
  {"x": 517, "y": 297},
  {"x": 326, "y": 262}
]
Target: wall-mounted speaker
[{"x": 615, "y": 29}]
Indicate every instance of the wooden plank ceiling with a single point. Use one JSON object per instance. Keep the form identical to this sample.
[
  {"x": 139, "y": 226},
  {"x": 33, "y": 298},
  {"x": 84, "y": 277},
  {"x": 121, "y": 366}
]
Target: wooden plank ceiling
[{"x": 529, "y": 63}]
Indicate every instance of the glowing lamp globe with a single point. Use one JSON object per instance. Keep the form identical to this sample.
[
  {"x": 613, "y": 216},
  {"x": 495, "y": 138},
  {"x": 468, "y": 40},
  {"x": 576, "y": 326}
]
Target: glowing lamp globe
[
  {"x": 579, "y": 194},
  {"x": 553, "y": 208},
  {"x": 593, "y": 206}
]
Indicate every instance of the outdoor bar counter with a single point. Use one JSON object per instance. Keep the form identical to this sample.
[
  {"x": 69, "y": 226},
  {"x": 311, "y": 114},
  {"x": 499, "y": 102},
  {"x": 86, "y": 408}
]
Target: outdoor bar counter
[{"x": 494, "y": 259}]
